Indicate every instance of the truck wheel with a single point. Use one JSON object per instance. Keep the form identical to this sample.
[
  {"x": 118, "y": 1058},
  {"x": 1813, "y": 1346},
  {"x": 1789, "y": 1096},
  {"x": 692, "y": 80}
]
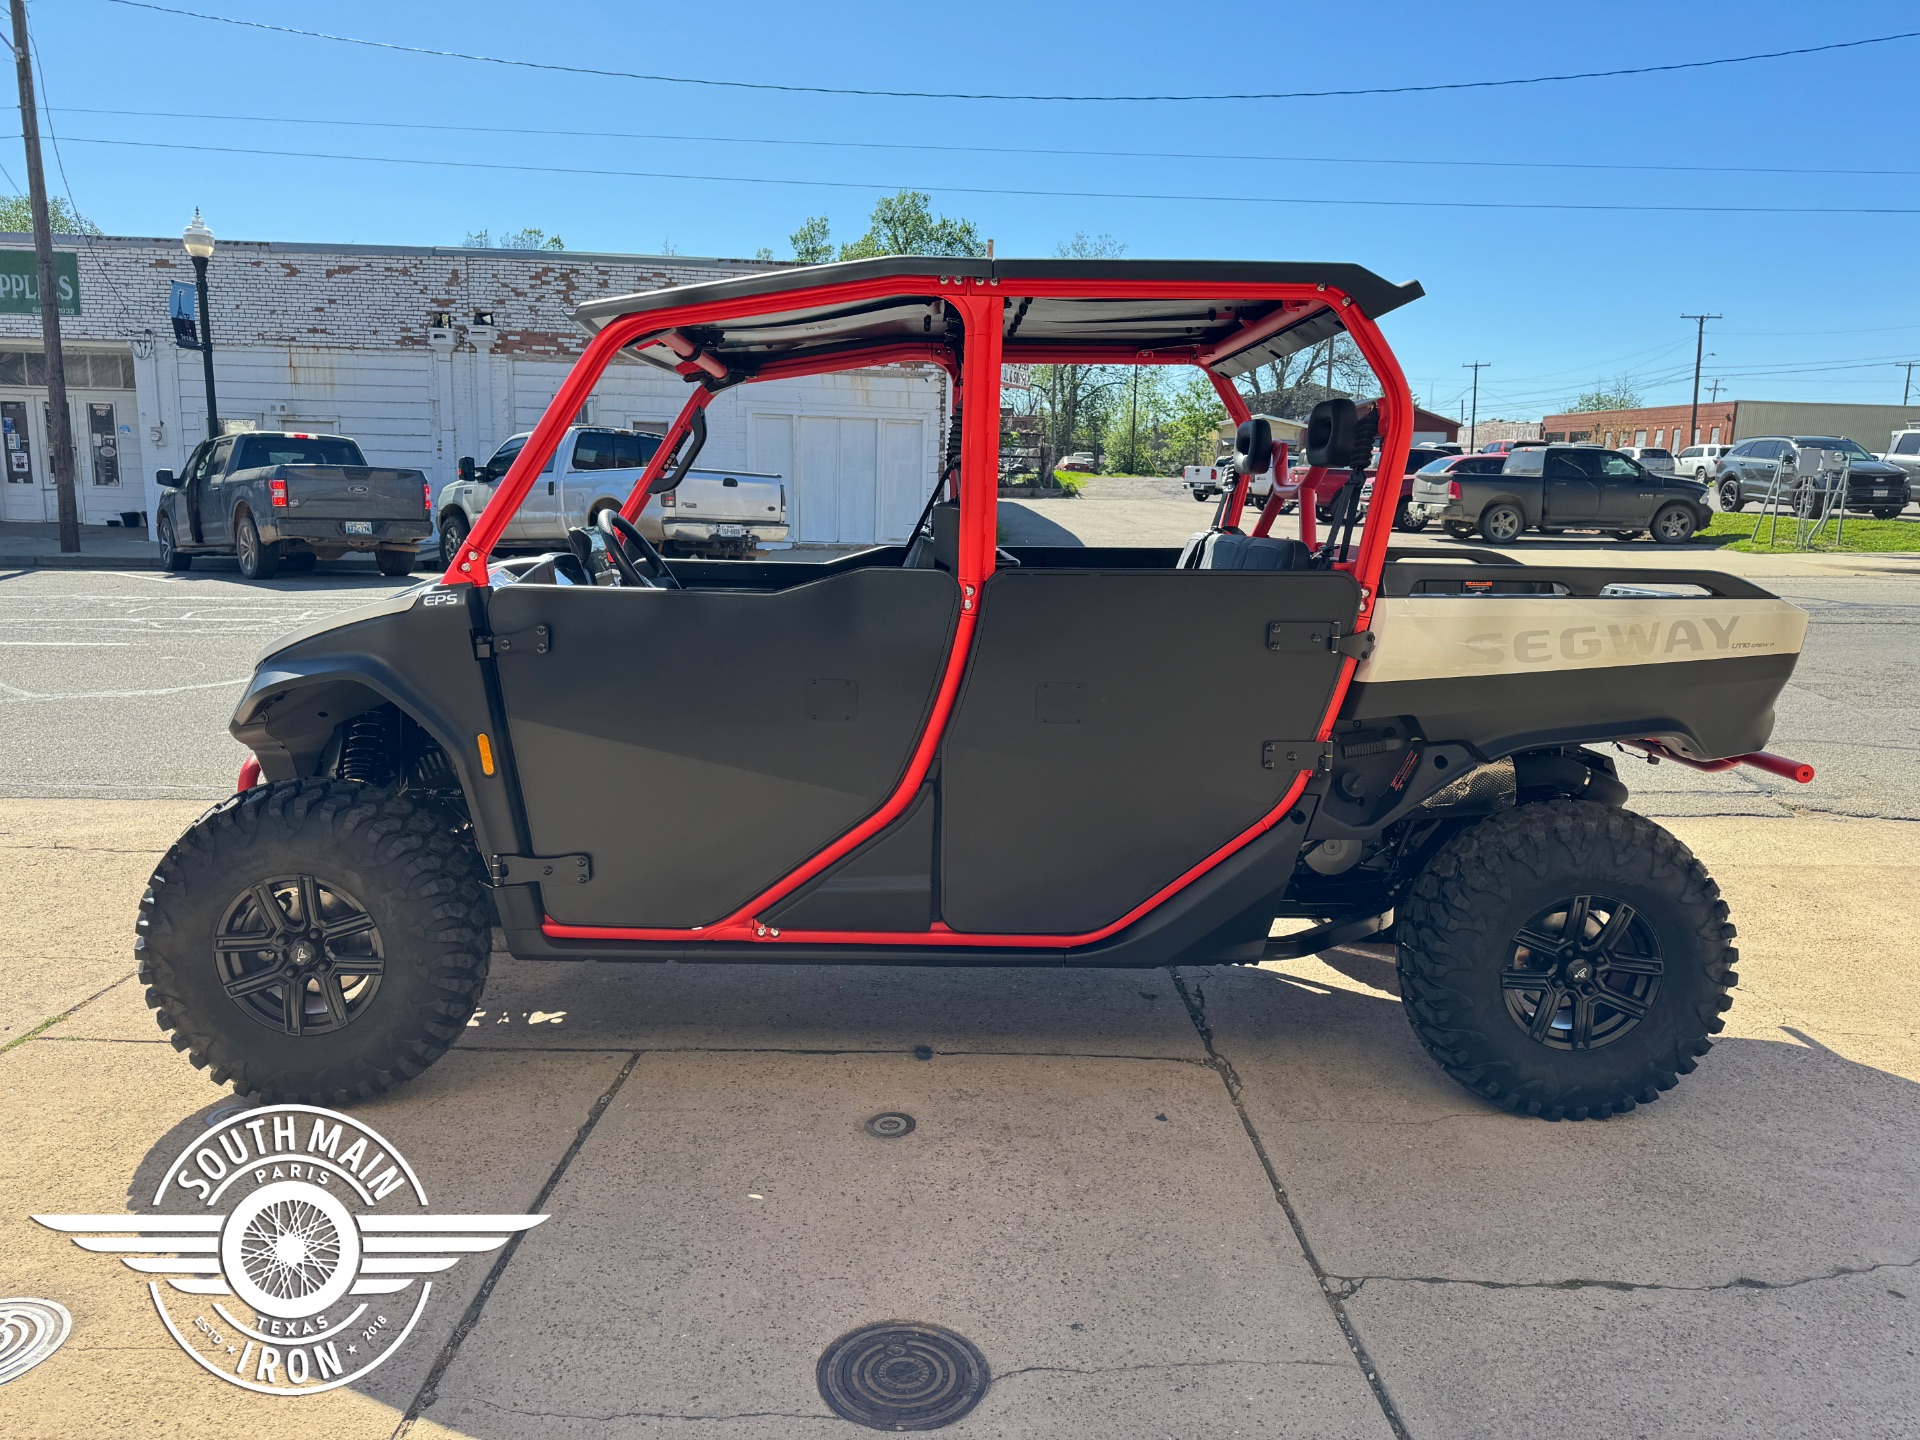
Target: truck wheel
[
  {"x": 1501, "y": 522},
  {"x": 1566, "y": 960},
  {"x": 258, "y": 561},
  {"x": 1730, "y": 498},
  {"x": 1406, "y": 521},
  {"x": 1628, "y": 534},
  {"x": 170, "y": 556},
  {"x": 315, "y": 941},
  {"x": 395, "y": 562},
  {"x": 1458, "y": 529},
  {"x": 454, "y": 530},
  {"x": 1674, "y": 525},
  {"x": 1887, "y": 512}
]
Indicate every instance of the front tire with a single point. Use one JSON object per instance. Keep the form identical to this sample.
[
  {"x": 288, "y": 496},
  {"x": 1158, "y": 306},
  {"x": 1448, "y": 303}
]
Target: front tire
[
  {"x": 170, "y": 556},
  {"x": 1566, "y": 960},
  {"x": 316, "y": 941},
  {"x": 1887, "y": 512},
  {"x": 1458, "y": 529},
  {"x": 258, "y": 561},
  {"x": 454, "y": 530}
]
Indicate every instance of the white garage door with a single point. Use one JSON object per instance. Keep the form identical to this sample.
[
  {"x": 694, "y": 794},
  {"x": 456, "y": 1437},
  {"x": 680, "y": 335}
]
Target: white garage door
[{"x": 849, "y": 481}]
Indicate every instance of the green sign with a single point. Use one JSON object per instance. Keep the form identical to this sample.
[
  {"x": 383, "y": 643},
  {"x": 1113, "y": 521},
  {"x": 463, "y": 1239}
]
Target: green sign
[{"x": 20, "y": 282}]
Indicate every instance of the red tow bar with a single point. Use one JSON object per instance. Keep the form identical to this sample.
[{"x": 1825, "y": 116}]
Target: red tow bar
[
  {"x": 249, "y": 773},
  {"x": 1796, "y": 770}
]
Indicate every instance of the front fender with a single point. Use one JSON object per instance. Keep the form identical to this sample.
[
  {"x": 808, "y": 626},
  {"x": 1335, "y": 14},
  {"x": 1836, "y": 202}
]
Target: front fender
[{"x": 414, "y": 650}]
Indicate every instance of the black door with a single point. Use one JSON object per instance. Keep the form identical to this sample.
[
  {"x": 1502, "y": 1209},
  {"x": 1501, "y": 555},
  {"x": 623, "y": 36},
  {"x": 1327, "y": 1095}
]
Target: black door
[
  {"x": 699, "y": 745},
  {"x": 1571, "y": 494},
  {"x": 1116, "y": 728}
]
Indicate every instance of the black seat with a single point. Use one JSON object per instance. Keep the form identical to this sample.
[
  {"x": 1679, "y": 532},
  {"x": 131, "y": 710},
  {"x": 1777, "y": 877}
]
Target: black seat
[{"x": 1230, "y": 550}]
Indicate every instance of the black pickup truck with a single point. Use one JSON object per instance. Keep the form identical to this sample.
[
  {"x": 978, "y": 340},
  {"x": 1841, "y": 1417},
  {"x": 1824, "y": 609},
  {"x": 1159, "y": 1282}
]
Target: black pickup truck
[
  {"x": 1560, "y": 487},
  {"x": 276, "y": 498}
]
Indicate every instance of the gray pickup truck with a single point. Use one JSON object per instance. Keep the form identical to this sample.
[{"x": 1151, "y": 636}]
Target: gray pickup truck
[
  {"x": 1560, "y": 487},
  {"x": 275, "y": 499}
]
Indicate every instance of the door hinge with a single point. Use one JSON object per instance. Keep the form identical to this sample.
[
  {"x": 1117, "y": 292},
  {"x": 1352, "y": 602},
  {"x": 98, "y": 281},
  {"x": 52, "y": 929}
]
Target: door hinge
[
  {"x": 535, "y": 869},
  {"x": 1296, "y": 755},
  {"x": 1308, "y": 637}
]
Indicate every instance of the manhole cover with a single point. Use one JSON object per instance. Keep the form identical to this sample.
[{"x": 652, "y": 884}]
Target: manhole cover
[
  {"x": 901, "y": 1376},
  {"x": 890, "y": 1125},
  {"x": 30, "y": 1331}
]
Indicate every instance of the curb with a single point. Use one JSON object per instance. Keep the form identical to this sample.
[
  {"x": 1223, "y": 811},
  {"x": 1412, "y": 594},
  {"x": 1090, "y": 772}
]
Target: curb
[{"x": 78, "y": 562}]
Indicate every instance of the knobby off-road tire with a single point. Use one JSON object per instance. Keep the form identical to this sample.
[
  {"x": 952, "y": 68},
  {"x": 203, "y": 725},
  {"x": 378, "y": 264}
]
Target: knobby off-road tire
[
  {"x": 372, "y": 854},
  {"x": 1464, "y": 972}
]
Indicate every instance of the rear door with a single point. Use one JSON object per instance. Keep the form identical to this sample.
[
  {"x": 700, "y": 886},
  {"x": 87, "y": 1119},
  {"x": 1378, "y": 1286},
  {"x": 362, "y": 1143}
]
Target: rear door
[{"x": 1571, "y": 489}]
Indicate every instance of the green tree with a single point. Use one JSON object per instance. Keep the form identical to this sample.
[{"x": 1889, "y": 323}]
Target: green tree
[
  {"x": 810, "y": 243},
  {"x": 904, "y": 224},
  {"x": 16, "y": 214},
  {"x": 531, "y": 238},
  {"x": 1620, "y": 395}
]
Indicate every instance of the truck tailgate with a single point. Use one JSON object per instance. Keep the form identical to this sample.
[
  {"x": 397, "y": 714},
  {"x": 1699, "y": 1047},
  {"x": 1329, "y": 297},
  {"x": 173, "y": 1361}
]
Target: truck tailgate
[
  {"x": 721, "y": 496},
  {"x": 352, "y": 492}
]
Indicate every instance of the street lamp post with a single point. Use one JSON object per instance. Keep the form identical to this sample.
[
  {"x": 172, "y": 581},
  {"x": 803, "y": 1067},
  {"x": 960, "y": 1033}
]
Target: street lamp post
[{"x": 199, "y": 242}]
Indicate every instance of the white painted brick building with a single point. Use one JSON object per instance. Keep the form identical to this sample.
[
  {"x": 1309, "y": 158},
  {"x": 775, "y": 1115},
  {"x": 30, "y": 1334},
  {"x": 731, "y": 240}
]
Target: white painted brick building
[{"x": 347, "y": 339}]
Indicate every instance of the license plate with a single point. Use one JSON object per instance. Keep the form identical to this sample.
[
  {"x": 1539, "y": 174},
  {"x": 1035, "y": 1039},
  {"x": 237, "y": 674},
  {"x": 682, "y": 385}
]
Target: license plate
[
  {"x": 357, "y": 527},
  {"x": 730, "y": 532}
]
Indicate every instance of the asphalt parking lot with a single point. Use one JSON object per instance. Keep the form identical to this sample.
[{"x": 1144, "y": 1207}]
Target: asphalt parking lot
[{"x": 1203, "y": 1202}]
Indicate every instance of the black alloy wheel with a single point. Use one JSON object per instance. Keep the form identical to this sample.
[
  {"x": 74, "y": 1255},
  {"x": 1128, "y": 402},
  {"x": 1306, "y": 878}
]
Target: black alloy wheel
[
  {"x": 170, "y": 556},
  {"x": 1730, "y": 499},
  {"x": 1582, "y": 973},
  {"x": 298, "y": 955},
  {"x": 453, "y": 534}
]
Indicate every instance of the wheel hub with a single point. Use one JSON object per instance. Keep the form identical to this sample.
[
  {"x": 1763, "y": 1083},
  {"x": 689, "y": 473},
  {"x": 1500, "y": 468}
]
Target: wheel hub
[
  {"x": 298, "y": 955},
  {"x": 1582, "y": 973}
]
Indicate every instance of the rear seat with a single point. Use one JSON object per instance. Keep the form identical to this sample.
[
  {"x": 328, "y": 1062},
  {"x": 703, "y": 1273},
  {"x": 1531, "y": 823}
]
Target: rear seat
[{"x": 1228, "y": 550}]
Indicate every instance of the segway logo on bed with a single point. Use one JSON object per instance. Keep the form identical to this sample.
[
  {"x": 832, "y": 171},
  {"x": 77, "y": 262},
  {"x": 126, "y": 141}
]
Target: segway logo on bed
[
  {"x": 288, "y": 1248},
  {"x": 1589, "y": 642}
]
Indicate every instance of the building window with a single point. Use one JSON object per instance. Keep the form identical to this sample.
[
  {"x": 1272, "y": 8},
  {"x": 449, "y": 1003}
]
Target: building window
[
  {"x": 1639, "y": 437},
  {"x": 1656, "y": 437},
  {"x": 1715, "y": 440}
]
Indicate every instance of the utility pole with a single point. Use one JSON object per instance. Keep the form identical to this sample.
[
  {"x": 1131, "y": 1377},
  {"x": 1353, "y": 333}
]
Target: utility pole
[
  {"x": 1906, "y": 391},
  {"x": 59, "y": 419},
  {"x": 1714, "y": 398},
  {"x": 1699, "y": 348},
  {"x": 1473, "y": 430}
]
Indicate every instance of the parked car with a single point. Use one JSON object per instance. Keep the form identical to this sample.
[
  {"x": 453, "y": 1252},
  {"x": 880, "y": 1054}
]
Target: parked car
[
  {"x": 1747, "y": 471},
  {"x": 1654, "y": 457},
  {"x": 1507, "y": 447},
  {"x": 1206, "y": 482},
  {"x": 724, "y": 514},
  {"x": 1419, "y": 457},
  {"x": 1701, "y": 462},
  {"x": 1564, "y": 487},
  {"x": 1904, "y": 450},
  {"x": 274, "y": 498},
  {"x": 1079, "y": 463}
]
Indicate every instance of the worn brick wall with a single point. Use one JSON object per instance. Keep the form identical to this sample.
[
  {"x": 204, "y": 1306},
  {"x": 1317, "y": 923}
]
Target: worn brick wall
[
  {"x": 354, "y": 296},
  {"x": 1664, "y": 425}
]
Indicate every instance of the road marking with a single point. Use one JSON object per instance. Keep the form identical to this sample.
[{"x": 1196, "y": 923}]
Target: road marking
[{"x": 14, "y": 695}]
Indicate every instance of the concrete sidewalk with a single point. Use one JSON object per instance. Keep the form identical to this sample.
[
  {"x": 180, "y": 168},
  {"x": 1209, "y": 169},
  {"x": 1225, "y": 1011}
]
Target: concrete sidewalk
[
  {"x": 1222, "y": 1202},
  {"x": 102, "y": 547}
]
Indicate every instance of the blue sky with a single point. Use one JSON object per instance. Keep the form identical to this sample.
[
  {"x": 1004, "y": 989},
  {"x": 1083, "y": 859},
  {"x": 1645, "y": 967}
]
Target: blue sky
[{"x": 1554, "y": 299}]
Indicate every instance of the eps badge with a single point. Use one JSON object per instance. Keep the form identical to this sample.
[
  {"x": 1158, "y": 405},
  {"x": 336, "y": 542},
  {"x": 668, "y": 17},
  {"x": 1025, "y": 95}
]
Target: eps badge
[{"x": 277, "y": 1268}]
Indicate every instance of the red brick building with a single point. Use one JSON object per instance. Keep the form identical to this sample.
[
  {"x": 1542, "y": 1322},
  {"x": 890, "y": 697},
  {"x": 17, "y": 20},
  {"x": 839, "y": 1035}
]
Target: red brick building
[{"x": 1658, "y": 425}]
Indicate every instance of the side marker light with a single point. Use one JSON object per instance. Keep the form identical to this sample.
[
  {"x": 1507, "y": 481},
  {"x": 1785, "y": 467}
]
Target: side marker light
[{"x": 486, "y": 754}]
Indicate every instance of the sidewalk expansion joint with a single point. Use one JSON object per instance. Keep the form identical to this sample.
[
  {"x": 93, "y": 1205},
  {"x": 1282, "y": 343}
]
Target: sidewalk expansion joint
[
  {"x": 71, "y": 1010},
  {"x": 1195, "y": 999},
  {"x": 1348, "y": 1286},
  {"x": 430, "y": 1387}
]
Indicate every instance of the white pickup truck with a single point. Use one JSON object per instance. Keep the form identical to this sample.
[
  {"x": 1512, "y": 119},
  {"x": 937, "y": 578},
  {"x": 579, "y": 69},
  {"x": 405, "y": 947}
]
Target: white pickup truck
[{"x": 720, "y": 513}]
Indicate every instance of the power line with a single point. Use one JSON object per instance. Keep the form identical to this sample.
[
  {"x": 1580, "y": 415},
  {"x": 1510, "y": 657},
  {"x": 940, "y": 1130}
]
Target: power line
[
  {"x": 1228, "y": 158},
  {"x": 1184, "y": 197},
  {"x": 1190, "y": 98}
]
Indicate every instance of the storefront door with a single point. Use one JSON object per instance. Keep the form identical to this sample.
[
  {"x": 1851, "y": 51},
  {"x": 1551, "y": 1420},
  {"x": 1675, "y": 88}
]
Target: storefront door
[{"x": 22, "y": 497}]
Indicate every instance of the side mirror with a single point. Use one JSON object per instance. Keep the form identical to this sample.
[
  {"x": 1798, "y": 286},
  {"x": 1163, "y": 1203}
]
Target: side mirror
[
  {"x": 1252, "y": 447},
  {"x": 166, "y": 480},
  {"x": 468, "y": 470},
  {"x": 1333, "y": 436}
]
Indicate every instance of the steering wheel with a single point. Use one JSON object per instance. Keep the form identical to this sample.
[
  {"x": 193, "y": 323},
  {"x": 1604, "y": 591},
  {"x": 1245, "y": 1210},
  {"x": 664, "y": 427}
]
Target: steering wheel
[{"x": 620, "y": 534}]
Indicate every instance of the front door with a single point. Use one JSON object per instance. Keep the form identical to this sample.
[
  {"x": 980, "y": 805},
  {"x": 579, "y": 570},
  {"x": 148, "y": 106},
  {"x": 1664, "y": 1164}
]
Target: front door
[
  {"x": 210, "y": 494},
  {"x": 24, "y": 480},
  {"x": 699, "y": 745},
  {"x": 1628, "y": 494},
  {"x": 1117, "y": 728}
]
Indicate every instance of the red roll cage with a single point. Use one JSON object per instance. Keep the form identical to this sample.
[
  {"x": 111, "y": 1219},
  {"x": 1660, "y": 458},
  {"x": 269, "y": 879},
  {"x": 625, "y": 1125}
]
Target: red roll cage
[{"x": 987, "y": 297}]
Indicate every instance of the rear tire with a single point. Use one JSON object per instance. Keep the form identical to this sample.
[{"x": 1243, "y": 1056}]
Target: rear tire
[
  {"x": 370, "y": 854},
  {"x": 395, "y": 562},
  {"x": 1887, "y": 512},
  {"x": 1674, "y": 525},
  {"x": 454, "y": 530},
  {"x": 1731, "y": 502},
  {"x": 258, "y": 560},
  {"x": 1501, "y": 523},
  {"x": 170, "y": 556},
  {"x": 1458, "y": 529},
  {"x": 1628, "y": 534},
  {"x": 1652, "y": 935}
]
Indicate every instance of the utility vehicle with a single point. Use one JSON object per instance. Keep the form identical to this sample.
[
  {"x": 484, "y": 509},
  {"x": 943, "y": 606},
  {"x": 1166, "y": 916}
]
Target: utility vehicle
[{"x": 950, "y": 752}]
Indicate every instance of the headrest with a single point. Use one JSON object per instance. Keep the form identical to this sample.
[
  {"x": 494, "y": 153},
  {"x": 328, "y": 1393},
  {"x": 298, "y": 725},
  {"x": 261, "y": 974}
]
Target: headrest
[
  {"x": 1252, "y": 447},
  {"x": 1332, "y": 436}
]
